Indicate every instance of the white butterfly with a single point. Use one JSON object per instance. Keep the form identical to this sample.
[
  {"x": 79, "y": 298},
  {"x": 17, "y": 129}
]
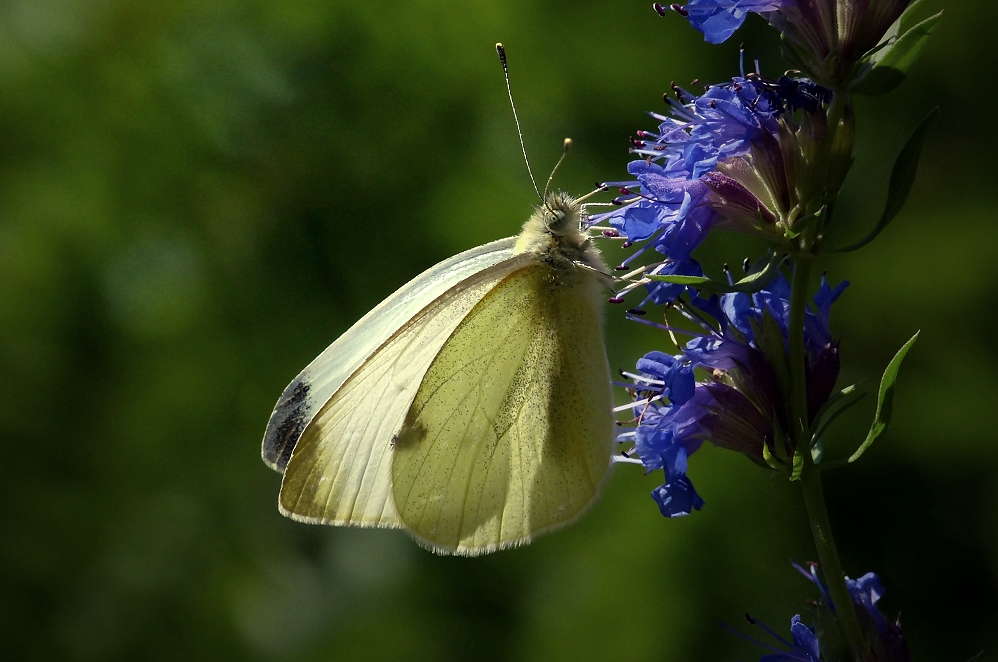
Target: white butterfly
[{"x": 472, "y": 407}]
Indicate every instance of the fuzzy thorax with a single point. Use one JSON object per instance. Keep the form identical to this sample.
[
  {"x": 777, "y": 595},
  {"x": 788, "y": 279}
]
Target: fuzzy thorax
[{"x": 555, "y": 233}]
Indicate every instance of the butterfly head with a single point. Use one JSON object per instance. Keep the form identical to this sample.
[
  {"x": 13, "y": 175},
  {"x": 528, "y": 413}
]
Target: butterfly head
[
  {"x": 556, "y": 233},
  {"x": 560, "y": 215}
]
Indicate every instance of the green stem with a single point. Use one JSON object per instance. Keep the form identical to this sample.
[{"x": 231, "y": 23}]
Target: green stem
[
  {"x": 810, "y": 477},
  {"x": 828, "y": 556},
  {"x": 840, "y": 99}
]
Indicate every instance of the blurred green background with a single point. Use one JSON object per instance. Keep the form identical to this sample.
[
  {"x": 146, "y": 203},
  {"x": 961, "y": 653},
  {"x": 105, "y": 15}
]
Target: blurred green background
[{"x": 197, "y": 197}]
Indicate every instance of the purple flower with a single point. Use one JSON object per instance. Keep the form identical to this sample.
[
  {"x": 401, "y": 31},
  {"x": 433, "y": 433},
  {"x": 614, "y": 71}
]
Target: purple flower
[
  {"x": 804, "y": 642},
  {"x": 718, "y": 19},
  {"x": 746, "y": 312},
  {"x": 716, "y": 160},
  {"x": 739, "y": 404},
  {"x": 676, "y": 497},
  {"x": 884, "y": 637},
  {"x": 829, "y": 36},
  {"x": 670, "y": 206},
  {"x": 803, "y": 648},
  {"x": 884, "y": 641},
  {"x": 866, "y": 592},
  {"x": 675, "y": 377}
]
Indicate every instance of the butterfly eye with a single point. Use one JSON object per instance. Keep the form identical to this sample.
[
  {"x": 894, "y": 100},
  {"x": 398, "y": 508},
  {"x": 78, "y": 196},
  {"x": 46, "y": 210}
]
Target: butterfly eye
[{"x": 556, "y": 219}]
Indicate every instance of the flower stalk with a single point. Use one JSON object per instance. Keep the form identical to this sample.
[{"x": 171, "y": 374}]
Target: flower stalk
[
  {"x": 810, "y": 476},
  {"x": 828, "y": 555}
]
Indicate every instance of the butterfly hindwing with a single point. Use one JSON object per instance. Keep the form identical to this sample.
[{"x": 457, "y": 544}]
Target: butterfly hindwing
[
  {"x": 510, "y": 432},
  {"x": 339, "y": 472}
]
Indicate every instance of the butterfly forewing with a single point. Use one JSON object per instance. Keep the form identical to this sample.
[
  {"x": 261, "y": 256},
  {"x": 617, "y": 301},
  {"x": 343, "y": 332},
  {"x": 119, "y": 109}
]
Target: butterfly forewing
[
  {"x": 339, "y": 471},
  {"x": 323, "y": 376},
  {"x": 510, "y": 432}
]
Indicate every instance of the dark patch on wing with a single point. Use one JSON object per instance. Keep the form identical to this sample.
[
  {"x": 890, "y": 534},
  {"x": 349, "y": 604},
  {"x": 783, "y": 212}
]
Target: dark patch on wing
[
  {"x": 410, "y": 435},
  {"x": 286, "y": 425}
]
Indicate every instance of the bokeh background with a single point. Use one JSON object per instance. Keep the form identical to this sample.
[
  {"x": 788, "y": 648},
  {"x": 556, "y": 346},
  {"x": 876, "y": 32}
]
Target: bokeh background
[{"x": 197, "y": 196}]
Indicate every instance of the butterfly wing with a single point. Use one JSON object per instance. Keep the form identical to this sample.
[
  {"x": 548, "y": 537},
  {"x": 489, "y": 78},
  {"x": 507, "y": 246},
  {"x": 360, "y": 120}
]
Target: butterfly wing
[
  {"x": 339, "y": 471},
  {"x": 510, "y": 432},
  {"x": 323, "y": 376}
]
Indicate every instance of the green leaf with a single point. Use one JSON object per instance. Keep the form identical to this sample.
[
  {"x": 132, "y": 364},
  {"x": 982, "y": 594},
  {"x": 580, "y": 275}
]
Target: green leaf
[
  {"x": 758, "y": 277},
  {"x": 903, "y": 23},
  {"x": 835, "y": 406},
  {"x": 804, "y": 222},
  {"x": 885, "y": 400},
  {"x": 907, "y": 17},
  {"x": 902, "y": 179},
  {"x": 767, "y": 455},
  {"x": 679, "y": 279},
  {"x": 798, "y": 465},
  {"x": 888, "y": 67}
]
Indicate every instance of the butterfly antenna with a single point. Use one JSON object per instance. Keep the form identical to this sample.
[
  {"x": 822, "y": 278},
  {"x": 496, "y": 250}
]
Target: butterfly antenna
[
  {"x": 564, "y": 153},
  {"x": 501, "y": 50}
]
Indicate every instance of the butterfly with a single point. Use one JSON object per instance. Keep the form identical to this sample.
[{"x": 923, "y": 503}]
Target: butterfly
[{"x": 471, "y": 408}]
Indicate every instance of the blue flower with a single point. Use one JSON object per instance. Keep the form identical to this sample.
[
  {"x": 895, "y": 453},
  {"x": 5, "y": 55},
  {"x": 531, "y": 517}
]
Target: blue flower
[
  {"x": 866, "y": 592},
  {"x": 738, "y": 404},
  {"x": 676, "y": 378},
  {"x": 716, "y": 160},
  {"x": 829, "y": 36},
  {"x": 804, "y": 641},
  {"x": 663, "y": 428},
  {"x": 884, "y": 637},
  {"x": 676, "y": 497},
  {"x": 718, "y": 19},
  {"x": 671, "y": 207},
  {"x": 803, "y": 648},
  {"x": 745, "y": 312},
  {"x": 883, "y": 640}
]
